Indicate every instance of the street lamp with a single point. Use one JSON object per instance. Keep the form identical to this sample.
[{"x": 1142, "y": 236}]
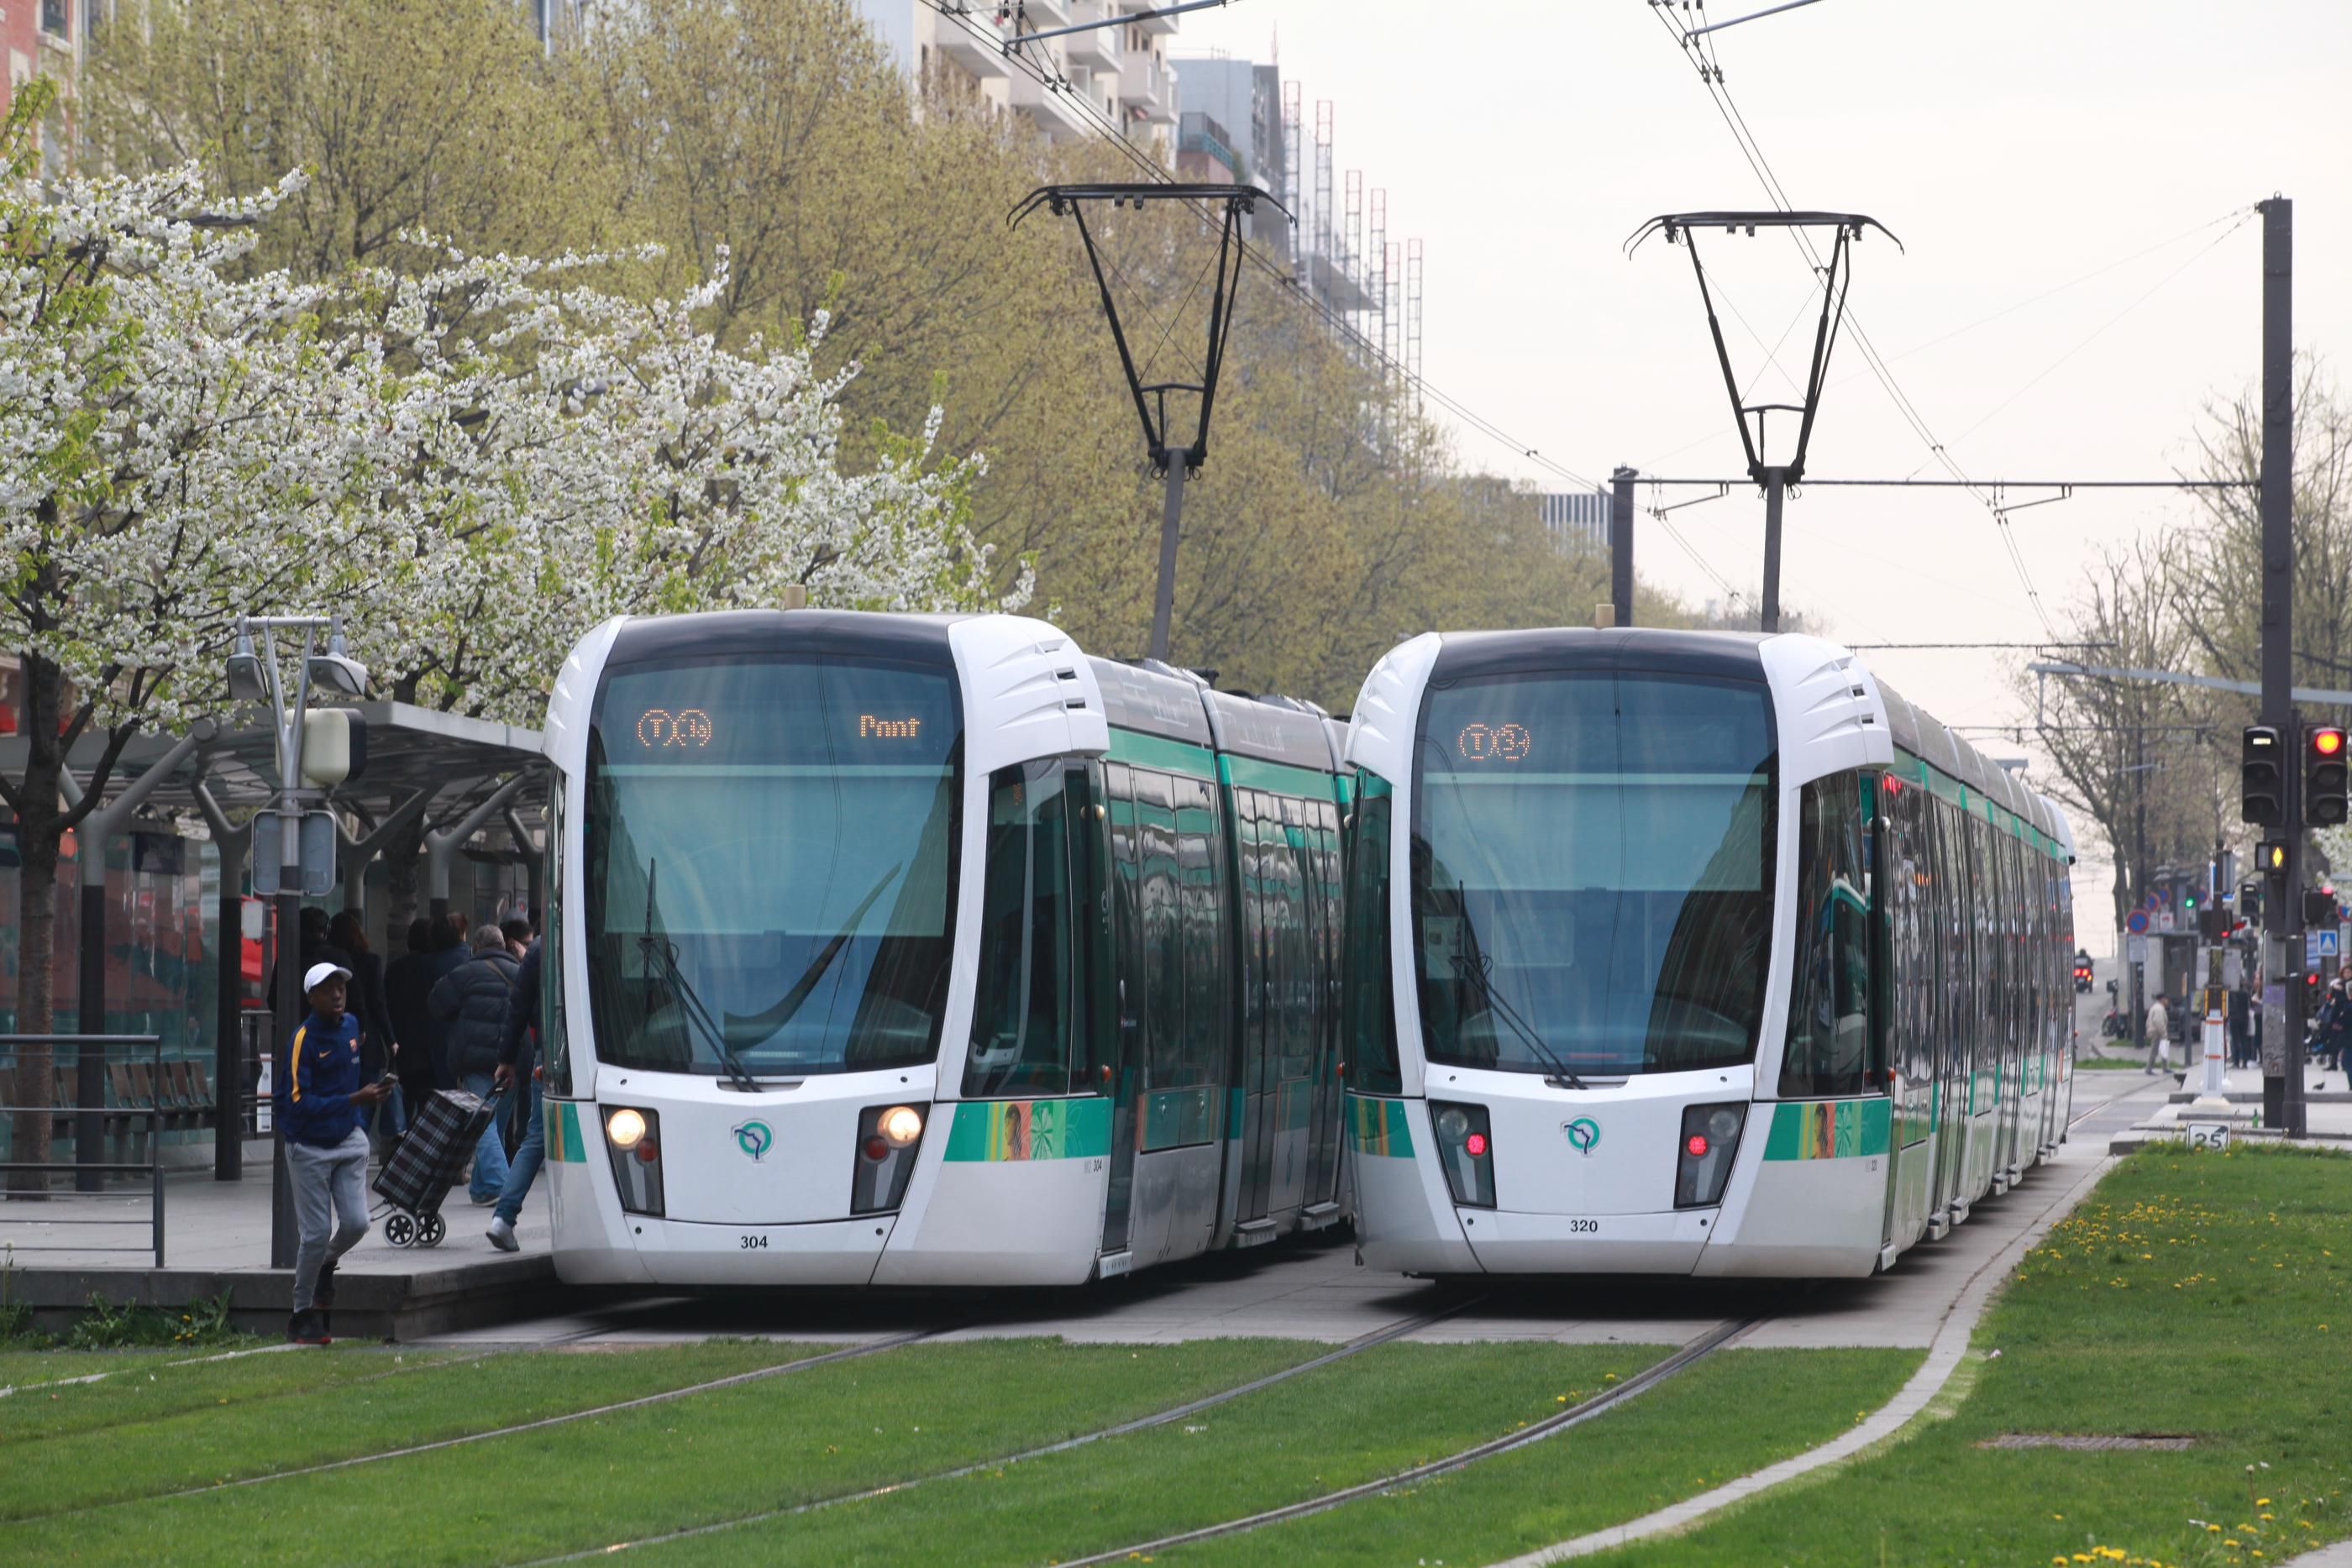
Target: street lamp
[{"x": 253, "y": 677}]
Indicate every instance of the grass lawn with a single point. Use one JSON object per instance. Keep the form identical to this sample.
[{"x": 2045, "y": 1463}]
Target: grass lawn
[
  {"x": 2110, "y": 1063},
  {"x": 2201, "y": 1295},
  {"x": 820, "y": 1433},
  {"x": 1380, "y": 1412},
  {"x": 1734, "y": 1413},
  {"x": 148, "y": 1388},
  {"x": 193, "y": 1426},
  {"x": 18, "y": 1367}
]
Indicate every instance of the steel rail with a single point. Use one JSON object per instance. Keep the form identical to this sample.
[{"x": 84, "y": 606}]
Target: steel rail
[
  {"x": 1697, "y": 1350},
  {"x": 734, "y": 1380},
  {"x": 1356, "y": 1346}
]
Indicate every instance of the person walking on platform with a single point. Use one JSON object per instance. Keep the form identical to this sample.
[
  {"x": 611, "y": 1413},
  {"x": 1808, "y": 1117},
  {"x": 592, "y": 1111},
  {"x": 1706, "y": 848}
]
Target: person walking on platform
[
  {"x": 518, "y": 1036},
  {"x": 407, "y": 982},
  {"x": 2159, "y": 1036},
  {"x": 470, "y": 1005},
  {"x": 320, "y": 1091}
]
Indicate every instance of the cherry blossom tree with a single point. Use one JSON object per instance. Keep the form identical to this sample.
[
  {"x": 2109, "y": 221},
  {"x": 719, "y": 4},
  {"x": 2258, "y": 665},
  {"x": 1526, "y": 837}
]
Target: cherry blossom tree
[{"x": 478, "y": 459}]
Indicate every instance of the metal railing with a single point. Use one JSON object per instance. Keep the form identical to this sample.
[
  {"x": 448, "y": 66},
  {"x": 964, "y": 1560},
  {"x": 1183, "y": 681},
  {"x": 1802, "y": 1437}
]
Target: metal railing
[{"x": 87, "y": 1121}]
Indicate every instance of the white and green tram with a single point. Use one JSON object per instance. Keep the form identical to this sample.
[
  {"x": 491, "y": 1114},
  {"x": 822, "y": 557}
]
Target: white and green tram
[
  {"x": 1688, "y": 952},
  {"x": 910, "y": 949}
]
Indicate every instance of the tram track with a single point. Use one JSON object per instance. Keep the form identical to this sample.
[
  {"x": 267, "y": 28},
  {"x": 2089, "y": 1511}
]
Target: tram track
[
  {"x": 1681, "y": 1360},
  {"x": 1388, "y": 1334},
  {"x": 709, "y": 1386}
]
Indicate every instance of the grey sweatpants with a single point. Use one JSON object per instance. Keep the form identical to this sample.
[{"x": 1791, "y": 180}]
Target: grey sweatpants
[{"x": 331, "y": 1209}]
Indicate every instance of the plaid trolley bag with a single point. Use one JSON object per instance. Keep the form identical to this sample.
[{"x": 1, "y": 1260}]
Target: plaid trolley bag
[{"x": 430, "y": 1160}]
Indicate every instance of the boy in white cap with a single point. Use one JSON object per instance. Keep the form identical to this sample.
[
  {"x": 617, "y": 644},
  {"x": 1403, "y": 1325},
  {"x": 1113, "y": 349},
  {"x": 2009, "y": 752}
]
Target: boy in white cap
[{"x": 319, "y": 1095}]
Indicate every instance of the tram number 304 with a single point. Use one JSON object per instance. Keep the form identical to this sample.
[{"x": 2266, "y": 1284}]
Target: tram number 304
[
  {"x": 748, "y": 1242},
  {"x": 1584, "y": 1227}
]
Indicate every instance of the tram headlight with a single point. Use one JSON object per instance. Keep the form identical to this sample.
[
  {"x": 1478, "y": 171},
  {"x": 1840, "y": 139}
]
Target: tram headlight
[
  {"x": 1465, "y": 1147},
  {"x": 882, "y": 1161},
  {"x": 1710, "y": 1142},
  {"x": 633, "y": 1140}
]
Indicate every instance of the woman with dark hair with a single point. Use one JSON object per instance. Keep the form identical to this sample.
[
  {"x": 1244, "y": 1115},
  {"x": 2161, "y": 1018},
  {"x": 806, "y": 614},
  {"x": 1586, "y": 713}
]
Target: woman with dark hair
[{"x": 407, "y": 981}]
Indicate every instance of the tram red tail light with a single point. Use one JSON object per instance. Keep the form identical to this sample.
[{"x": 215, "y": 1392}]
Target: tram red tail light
[
  {"x": 1465, "y": 1147},
  {"x": 888, "y": 1139},
  {"x": 632, "y": 1139},
  {"x": 1710, "y": 1142}
]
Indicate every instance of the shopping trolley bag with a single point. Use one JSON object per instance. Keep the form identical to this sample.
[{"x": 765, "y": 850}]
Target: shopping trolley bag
[{"x": 431, "y": 1158}]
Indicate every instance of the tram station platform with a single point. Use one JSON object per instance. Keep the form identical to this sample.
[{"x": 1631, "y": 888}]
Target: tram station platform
[{"x": 216, "y": 1240}]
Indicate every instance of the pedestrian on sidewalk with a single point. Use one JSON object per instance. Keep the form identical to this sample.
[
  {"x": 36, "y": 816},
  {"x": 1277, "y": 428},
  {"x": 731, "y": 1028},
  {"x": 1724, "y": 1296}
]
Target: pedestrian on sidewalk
[
  {"x": 407, "y": 982},
  {"x": 2335, "y": 1033},
  {"x": 470, "y": 1005},
  {"x": 2159, "y": 1036},
  {"x": 320, "y": 1091},
  {"x": 518, "y": 1037}
]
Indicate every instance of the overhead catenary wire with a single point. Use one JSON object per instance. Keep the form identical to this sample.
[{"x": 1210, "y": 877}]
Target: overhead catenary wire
[
  {"x": 1752, "y": 151},
  {"x": 1330, "y": 320}
]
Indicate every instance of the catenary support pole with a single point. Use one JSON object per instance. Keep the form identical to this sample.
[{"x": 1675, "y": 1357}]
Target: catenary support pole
[
  {"x": 236, "y": 845},
  {"x": 288, "y": 1007},
  {"x": 1621, "y": 544},
  {"x": 1163, "y": 600},
  {"x": 1775, "y": 487},
  {"x": 2282, "y": 1104}
]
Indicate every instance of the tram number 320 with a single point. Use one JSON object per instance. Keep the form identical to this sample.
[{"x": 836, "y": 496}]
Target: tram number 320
[
  {"x": 1584, "y": 1228},
  {"x": 750, "y": 1242}
]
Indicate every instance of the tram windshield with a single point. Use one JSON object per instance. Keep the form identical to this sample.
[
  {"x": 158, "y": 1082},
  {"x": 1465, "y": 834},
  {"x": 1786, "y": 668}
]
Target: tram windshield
[
  {"x": 769, "y": 864},
  {"x": 1592, "y": 871}
]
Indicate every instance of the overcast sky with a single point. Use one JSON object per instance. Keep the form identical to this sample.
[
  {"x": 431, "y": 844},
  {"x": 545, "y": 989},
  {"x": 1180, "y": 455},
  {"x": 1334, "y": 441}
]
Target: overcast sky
[{"x": 2013, "y": 145}]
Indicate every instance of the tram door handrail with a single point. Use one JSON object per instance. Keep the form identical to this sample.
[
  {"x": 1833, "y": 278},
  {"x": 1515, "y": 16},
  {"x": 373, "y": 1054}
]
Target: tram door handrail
[{"x": 88, "y": 1120}]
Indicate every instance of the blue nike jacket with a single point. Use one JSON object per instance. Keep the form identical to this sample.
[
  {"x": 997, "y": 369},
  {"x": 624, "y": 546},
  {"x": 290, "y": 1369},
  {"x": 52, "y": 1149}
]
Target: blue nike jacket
[{"x": 314, "y": 1096}]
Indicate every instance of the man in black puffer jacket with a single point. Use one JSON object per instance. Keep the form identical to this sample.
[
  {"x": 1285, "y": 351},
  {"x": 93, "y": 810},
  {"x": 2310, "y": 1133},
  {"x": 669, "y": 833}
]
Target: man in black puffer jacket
[{"x": 469, "y": 1004}]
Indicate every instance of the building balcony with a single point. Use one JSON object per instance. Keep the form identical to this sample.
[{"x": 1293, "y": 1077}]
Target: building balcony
[
  {"x": 1101, "y": 50},
  {"x": 1157, "y": 27},
  {"x": 1147, "y": 85},
  {"x": 1058, "y": 114},
  {"x": 976, "y": 43}
]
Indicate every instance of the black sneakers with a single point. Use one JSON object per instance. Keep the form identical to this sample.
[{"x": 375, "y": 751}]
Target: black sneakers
[
  {"x": 307, "y": 1328},
  {"x": 324, "y": 1295}
]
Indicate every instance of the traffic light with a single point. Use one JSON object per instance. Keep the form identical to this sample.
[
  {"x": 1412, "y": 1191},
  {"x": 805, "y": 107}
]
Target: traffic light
[
  {"x": 2211, "y": 926},
  {"x": 2270, "y": 857},
  {"x": 2260, "y": 784},
  {"x": 2318, "y": 906},
  {"x": 2326, "y": 802}
]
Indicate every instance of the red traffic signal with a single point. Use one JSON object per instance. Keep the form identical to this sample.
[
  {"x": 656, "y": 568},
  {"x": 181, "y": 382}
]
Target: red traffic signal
[{"x": 2327, "y": 788}]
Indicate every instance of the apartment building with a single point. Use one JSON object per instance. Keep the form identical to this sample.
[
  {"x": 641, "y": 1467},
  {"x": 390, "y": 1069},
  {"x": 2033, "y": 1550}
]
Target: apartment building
[{"x": 1077, "y": 85}]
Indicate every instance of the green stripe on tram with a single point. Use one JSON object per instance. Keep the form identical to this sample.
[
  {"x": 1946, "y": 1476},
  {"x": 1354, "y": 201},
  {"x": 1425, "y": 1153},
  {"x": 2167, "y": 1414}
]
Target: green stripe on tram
[
  {"x": 1830, "y": 1129},
  {"x": 1376, "y": 1127},
  {"x": 1001, "y": 1130},
  {"x": 1159, "y": 751},
  {"x": 1281, "y": 777},
  {"x": 565, "y": 1144}
]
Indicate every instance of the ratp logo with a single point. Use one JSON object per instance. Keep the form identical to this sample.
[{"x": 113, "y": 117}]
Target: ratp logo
[
  {"x": 754, "y": 1138},
  {"x": 1582, "y": 1134}
]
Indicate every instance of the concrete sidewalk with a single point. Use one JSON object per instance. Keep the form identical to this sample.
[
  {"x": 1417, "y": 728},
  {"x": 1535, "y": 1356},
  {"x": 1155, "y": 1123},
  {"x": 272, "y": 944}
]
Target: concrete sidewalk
[{"x": 216, "y": 1240}]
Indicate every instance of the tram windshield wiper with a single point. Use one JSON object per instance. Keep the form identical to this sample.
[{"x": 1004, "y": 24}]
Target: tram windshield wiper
[
  {"x": 1480, "y": 962},
  {"x": 689, "y": 1001},
  {"x": 760, "y": 1025}
]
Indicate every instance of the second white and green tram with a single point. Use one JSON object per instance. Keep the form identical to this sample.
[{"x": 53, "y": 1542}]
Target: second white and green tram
[
  {"x": 1688, "y": 952},
  {"x": 929, "y": 951}
]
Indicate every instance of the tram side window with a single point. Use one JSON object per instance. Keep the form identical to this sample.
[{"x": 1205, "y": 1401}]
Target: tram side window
[
  {"x": 1829, "y": 1004},
  {"x": 1368, "y": 1022},
  {"x": 1201, "y": 888},
  {"x": 1164, "y": 932},
  {"x": 1023, "y": 1014}
]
